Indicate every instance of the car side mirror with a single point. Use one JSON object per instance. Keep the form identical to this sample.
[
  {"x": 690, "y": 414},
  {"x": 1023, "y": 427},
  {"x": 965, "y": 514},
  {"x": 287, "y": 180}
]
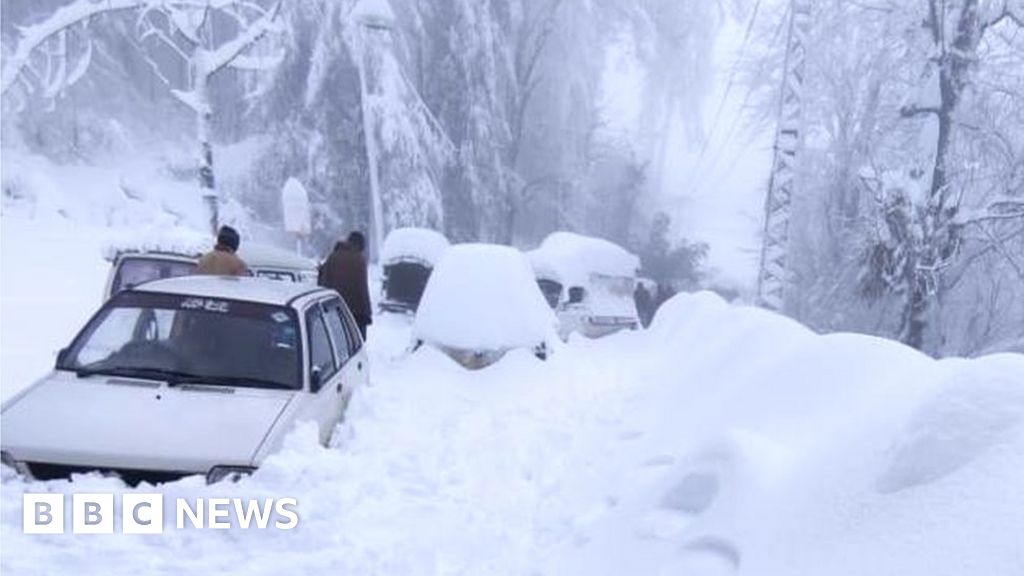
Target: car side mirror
[
  {"x": 62, "y": 355},
  {"x": 315, "y": 379},
  {"x": 576, "y": 294}
]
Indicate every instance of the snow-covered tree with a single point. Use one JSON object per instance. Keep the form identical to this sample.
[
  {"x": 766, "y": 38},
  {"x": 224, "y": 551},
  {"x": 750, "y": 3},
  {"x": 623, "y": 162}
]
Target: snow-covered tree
[
  {"x": 207, "y": 37},
  {"x": 912, "y": 182}
]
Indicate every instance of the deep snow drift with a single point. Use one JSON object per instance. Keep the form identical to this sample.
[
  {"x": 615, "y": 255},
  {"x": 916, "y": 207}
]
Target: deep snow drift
[{"x": 724, "y": 440}]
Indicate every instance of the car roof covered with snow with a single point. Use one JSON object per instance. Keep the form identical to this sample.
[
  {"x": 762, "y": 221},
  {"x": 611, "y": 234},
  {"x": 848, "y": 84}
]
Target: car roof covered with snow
[
  {"x": 194, "y": 245},
  {"x": 177, "y": 242},
  {"x": 414, "y": 244},
  {"x": 571, "y": 258},
  {"x": 484, "y": 297},
  {"x": 244, "y": 289},
  {"x": 266, "y": 256}
]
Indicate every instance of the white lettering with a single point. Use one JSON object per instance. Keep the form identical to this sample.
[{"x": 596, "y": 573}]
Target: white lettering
[
  {"x": 219, "y": 509},
  {"x": 281, "y": 507},
  {"x": 252, "y": 509},
  {"x": 195, "y": 517}
]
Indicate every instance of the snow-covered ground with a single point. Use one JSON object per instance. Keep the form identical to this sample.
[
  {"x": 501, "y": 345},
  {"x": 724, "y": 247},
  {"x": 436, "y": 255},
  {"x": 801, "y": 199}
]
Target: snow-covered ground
[{"x": 724, "y": 440}]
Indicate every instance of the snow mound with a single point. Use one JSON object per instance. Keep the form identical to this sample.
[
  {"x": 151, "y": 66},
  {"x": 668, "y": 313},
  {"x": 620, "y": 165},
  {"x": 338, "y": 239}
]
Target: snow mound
[
  {"x": 295, "y": 207},
  {"x": 572, "y": 258},
  {"x": 414, "y": 244},
  {"x": 975, "y": 408},
  {"x": 484, "y": 297},
  {"x": 768, "y": 449}
]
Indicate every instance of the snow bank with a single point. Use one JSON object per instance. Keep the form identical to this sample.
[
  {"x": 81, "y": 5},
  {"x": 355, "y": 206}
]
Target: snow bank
[
  {"x": 572, "y": 259},
  {"x": 417, "y": 244},
  {"x": 484, "y": 297},
  {"x": 767, "y": 449},
  {"x": 128, "y": 196}
]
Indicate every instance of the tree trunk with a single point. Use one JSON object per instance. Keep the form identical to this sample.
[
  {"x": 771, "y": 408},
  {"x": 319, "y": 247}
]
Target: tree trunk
[
  {"x": 939, "y": 235},
  {"x": 204, "y": 123}
]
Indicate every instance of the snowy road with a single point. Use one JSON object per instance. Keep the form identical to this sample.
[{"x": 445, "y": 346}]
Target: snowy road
[{"x": 722, "y": 441}]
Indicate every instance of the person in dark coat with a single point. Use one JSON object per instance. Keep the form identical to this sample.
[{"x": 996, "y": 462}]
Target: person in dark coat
[
  {"x": 222, "y": 260},
  {"x": 644, "y": 304},
  {"x": 345, "y": 272}
]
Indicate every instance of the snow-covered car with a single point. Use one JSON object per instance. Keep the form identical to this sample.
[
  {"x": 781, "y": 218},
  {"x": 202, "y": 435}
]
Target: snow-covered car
[
  {"x": 190, "y": 375},
  {"x": 408, "y": 257},
  {"x": 588, "y": 282},
  {"x": 481, "y": 302},
  {"x": 131, "y": 266}
]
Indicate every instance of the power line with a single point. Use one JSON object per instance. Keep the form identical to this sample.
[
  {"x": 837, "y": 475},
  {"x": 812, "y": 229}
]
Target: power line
[{"x": 702, "y": 174}]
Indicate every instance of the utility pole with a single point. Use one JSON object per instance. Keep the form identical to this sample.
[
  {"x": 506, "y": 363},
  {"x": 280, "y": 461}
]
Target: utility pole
[
  {"x": 773, "y": 275},
  {"x": 374, "y": 17}
]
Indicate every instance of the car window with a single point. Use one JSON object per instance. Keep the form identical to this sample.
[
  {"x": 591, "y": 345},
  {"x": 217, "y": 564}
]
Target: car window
[
  {"x": 320, "y": 353},
  {"x": 336, "y": 328},
  {"x": 552, "y": 291},
  {"x": 355, "y": 338}
]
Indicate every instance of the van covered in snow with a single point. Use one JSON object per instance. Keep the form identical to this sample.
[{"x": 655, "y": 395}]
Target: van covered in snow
[
  {"x": 408, "y": 257},
  {"x": 588, "y": 282},
  {"x": 132, "y": 263}
]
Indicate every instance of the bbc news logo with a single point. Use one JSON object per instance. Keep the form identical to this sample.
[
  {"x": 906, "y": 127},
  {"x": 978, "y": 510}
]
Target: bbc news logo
[{"x": 144, "y": 513}]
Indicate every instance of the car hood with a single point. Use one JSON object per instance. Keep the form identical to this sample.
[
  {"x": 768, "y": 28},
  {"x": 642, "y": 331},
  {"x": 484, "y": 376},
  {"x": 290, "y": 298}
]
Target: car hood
[{"x": 112, "y": 422}]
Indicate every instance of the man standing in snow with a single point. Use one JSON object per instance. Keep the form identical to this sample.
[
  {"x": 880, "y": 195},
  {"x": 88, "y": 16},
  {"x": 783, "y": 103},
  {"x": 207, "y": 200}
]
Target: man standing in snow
[
  {"x": 222, "y": 260},
  {"x": 345, "y": 272},
  {"x": 644, "y": 303}
]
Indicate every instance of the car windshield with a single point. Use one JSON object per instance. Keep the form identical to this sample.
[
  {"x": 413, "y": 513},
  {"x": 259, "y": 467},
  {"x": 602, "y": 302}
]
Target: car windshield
[
  {"x": 135, "y": 270},
  {"x": 185, "y": 339}
]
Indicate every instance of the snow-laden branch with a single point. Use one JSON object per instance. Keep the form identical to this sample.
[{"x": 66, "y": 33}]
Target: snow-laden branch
[
  {"x": 186, "y": 17},
  {"x": 224, "y": 54},
  {"x": 1006, "y": 10},
  {"x": 1001, "y": 208},
  {"x": 33, "y": 37}
]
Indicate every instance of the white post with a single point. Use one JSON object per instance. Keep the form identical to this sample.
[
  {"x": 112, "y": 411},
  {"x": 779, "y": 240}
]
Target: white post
[{"x": 372, "y": 16}]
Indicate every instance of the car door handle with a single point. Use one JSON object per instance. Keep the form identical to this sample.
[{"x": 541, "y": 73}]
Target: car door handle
[
  {"x": 359, "y": 366},
  {"x": 338, "y": 387}
]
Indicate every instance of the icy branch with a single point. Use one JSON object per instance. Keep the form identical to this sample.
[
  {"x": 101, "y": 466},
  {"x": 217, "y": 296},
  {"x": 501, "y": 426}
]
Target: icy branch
[
  {"x": 1002, "y": 208},
  {"x": 64, "y": 18},
  {"x": 229, "y": 51},
  {"x": 257, "y": 63},
  {"x": 1010, "y": 10}
]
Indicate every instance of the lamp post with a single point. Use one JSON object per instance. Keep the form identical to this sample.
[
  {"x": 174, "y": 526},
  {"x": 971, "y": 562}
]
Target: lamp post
[{"x": 372, "y": 17}]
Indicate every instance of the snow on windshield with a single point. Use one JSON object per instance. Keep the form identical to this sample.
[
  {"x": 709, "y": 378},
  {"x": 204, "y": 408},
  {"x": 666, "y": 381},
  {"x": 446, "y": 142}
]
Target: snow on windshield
[
  {"x": 484, "y": 297},
  {"x": 421, "y": 244}
]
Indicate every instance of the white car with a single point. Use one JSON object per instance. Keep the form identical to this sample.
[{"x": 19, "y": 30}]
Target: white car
[
  {"x": 588, "y": 282},
  {"x": 190, "y": 375}
]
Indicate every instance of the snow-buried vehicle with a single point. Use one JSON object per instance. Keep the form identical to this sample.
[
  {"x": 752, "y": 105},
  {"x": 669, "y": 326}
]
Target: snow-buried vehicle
[
  {"x": 408, "y": 257},
  {"x": 481, "y": 302},
  {"x": 588, "y": 282}
]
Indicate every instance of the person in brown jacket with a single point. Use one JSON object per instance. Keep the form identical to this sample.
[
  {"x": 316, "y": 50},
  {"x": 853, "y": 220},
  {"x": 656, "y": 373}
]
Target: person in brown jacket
[
  {"x": 345, "y": 272},
  {"x": 222, "y": 260}
]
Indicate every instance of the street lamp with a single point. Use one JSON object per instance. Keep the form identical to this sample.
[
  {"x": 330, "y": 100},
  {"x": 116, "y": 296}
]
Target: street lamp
[{"x": 373, "y": 17}]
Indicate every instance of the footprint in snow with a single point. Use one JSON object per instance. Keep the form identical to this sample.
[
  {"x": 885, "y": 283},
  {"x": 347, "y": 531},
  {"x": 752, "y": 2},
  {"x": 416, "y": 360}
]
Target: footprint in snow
[{"x": 710, "y": 556}]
